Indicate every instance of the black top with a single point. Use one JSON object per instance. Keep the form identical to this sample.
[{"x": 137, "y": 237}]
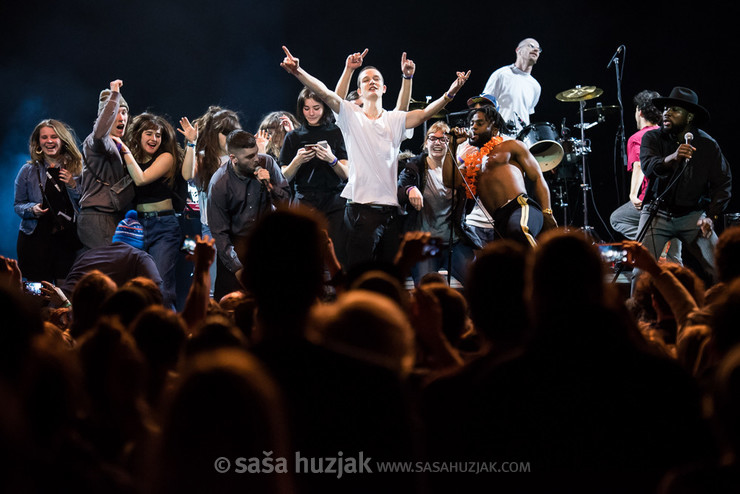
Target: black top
[
  {"x": 315, "y": 175},
  {"x": 152, "y": 192},
  {"x": 704, "y": 184}
]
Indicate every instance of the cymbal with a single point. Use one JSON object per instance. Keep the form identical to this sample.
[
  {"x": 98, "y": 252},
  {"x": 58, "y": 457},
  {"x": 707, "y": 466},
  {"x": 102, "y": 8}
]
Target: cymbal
[
  {"x": 605, "y": 109},
  {"x": 579, "y": 93},
  {"x": 417, "y": 105}
]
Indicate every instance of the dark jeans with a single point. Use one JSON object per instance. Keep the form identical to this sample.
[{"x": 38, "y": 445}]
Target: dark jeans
[
  {"x": 373, "y": 233},
  {"x": 162, "y": 239}
]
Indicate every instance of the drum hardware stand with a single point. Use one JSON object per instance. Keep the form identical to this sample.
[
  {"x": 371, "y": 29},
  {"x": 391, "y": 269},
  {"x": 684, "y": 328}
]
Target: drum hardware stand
[
  {"x": 562, "y": 197},
  {"x": 581, "y": 94},
  {"x": 585, "y": 186}
]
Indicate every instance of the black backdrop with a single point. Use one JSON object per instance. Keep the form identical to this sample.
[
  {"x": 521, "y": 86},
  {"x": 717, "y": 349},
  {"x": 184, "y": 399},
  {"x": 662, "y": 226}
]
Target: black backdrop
[{"x": 178, "y": 57}]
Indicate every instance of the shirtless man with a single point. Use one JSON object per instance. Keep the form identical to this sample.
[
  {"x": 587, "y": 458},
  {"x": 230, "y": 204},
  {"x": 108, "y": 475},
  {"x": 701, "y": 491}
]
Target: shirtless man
[{"x": 501, "y": 183}]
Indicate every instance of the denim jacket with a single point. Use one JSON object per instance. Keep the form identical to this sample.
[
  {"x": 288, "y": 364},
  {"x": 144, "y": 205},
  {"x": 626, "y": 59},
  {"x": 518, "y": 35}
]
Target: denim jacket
[{"x": 28, "y": 194}]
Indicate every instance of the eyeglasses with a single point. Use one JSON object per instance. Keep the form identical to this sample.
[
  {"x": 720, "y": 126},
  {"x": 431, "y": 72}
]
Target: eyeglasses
[
  {"x": 443, "y": 139},
  {"x": 533, "y": 47}
]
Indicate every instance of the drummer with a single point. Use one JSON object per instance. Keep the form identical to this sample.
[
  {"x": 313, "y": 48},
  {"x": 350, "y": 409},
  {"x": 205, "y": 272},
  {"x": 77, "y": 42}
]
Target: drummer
[
  {"x": 500, "y": 184},
  {"x": 516, "y": 90}
]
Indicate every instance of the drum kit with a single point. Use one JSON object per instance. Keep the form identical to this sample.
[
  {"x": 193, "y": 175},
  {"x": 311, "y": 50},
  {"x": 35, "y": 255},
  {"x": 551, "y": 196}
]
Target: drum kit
[{"x": 552, "y": 148}]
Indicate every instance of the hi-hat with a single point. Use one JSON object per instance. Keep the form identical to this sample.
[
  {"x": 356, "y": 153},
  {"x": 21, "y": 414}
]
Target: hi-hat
[
  {"x": 579, "y": 93},
  {"x": 417, "y": 105},
  {"x": 605, "y": 109}
]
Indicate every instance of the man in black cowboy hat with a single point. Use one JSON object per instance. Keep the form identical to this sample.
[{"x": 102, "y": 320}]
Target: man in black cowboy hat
[{"x": 690, "y": 180}]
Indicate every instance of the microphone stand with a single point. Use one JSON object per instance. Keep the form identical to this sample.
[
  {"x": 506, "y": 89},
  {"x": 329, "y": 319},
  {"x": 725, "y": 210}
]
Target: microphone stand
[
  {"x": 621, "y": 139},
  {"x": 654, "y": 206},
  {"x": 453, "y": 215}
]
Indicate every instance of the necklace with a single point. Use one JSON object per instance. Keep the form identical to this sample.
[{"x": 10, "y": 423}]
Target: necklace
[{"x": 473, "y": 164}]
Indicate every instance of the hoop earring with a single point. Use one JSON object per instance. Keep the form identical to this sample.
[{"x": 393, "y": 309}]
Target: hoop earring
[{"x": 39, "y": 151}]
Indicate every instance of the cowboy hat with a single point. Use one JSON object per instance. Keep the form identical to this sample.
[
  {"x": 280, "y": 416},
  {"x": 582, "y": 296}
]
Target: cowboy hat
[{"x": 685, "y": 98}]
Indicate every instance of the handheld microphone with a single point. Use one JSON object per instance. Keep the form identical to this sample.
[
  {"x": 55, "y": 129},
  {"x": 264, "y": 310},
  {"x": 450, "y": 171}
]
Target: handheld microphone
[
  {"x": 521, "y": 122},
  {"x": 263, "y": 181},
  {"x": 688, "y": 137},
  {"x": 459, "y": 132},
  {"x": 619, "y": 51}
]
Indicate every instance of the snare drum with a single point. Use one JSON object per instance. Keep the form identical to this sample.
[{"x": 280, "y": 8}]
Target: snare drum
[{"x": 543, "y": 142}]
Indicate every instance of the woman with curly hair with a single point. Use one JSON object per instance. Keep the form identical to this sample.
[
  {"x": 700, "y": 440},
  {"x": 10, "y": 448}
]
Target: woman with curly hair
[
  {"x": 47, "y": 194},
  {"x": 153, "y": 159}
]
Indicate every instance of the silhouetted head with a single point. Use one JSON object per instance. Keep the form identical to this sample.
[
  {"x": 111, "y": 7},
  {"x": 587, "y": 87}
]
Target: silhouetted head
[{"x": 284, "y": 266}]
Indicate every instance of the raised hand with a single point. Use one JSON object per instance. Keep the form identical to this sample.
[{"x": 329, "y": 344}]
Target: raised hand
[
  {"x": 287, "y": 124},
  {"x": 203, "y": 254},
  {"x": 263, "y": 138},
  {"x": 354, "y": 61},
  {"x": 10, "y": 274},
  {"x": 640, "y": 257},
  {"x": 116, "y": 85},
  {"x": 462, "y": 78},
  {"x": 408, "y": 67},
  {"x": 188, "y": 130},
  {"x": 290, "y": 63}
]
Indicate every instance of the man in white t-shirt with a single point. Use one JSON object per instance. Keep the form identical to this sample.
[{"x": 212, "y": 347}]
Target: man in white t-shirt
[
  {"x": 373, "y": 138},
  {"x": 516, "y": 90}
]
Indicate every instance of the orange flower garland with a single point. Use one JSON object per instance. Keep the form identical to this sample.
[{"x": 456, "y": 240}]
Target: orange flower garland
[{"x": 473, "y": 164}]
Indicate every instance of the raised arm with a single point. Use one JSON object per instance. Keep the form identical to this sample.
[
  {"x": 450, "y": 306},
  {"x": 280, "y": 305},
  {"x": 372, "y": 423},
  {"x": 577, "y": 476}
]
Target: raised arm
[
  {"x": 106, "y": 119},
  {"x": 353, "y": 62},
  {"x": 196, "y": 303},
  {"x": 417, "y": 117},
  {"x": 191, "y": 134},
  {"x": 408, "y": 67},
  {"x": 291, "y": 65},
  {"x": 161, "y": 166}
]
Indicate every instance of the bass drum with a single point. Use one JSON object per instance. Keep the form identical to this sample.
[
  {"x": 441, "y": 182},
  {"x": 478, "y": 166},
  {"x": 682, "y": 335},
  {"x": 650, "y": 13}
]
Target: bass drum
[{"x": 543, "y": 142}]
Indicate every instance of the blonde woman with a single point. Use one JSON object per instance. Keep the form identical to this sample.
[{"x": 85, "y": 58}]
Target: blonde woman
[{"x": 47, "y": 194}]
